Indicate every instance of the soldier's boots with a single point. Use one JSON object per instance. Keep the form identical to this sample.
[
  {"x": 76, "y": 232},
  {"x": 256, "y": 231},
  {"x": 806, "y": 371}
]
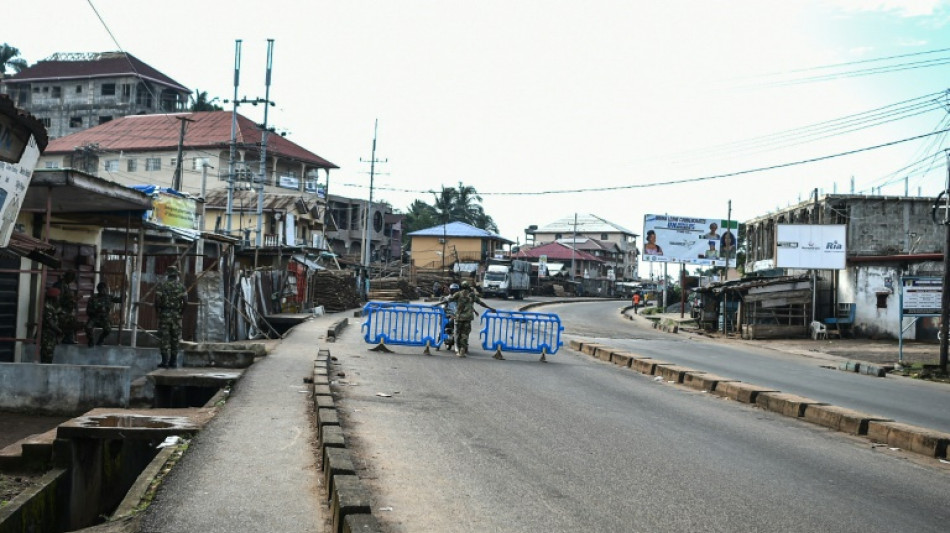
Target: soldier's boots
[{"x": 462, "y": 352}]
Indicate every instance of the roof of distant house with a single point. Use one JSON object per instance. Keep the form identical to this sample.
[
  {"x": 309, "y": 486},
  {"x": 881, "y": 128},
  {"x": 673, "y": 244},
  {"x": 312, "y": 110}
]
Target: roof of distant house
[
  {"x": 587, "y": 243},
  {"x": 458, "y": 229},
  {"x": 556, "y": 251},
  {"x": 210, "y": 130},
  {"x": 68, "y": 66},
  {"x": 583, "y": 223}
]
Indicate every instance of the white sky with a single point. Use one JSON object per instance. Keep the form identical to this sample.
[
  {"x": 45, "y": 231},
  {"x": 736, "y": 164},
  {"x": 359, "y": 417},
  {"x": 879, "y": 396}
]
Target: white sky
[{"x": 538, "y": 96}]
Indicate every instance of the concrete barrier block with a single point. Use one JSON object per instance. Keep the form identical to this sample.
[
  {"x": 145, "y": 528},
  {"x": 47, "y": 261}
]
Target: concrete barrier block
[
  {"x": 327, "y": 417},
  {"x": 849, "y": 366},
  {"x": 841, "y": 419},
  {"x": 321, "y": 390},
  {"x": 911, "y": 438},
  {"x": 361, "y": 523},
  {"x": 349, "y": 497},
  {"x": 575, "y": 344},
  {"x": 741, "y": 392},
  {"x": 703, "y": 381},
  {"x": 873, "y": 370},
  {"x": 589, "y": 349},
  {"x": 603, "y": 353},
  {"x": 648, "y": 366},
  {"x": 332, "y": 437},
  {"x": 674, "y": 373},
  {"x": 623, "y": 359},
  {"x": 324, "y": 402},
  {"x": 785, "y": 404},
  {"x": 336, "y": 462}
]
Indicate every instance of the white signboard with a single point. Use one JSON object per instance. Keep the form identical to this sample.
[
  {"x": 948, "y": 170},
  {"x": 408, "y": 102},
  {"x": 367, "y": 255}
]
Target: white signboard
[
  {"x": 696, "y": 241},
  {"x": 810, "y": 246},
  {"x": 14, "y": 180},
  {"x": 289, "y": 182},
  {"x": 921, "y": 296}
]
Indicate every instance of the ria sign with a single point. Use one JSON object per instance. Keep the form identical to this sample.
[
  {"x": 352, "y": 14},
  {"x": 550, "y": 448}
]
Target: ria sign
[{"x": 810, "y": 246}]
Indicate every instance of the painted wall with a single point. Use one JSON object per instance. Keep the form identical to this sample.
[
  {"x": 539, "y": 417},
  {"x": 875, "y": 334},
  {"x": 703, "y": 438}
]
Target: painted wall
[
  {"x": 427, "y": 251},
  {"x": 62, "y": 389}
]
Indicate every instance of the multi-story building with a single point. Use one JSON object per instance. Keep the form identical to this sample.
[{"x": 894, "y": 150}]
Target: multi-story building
[
  {"x": 143, "y": 150},
  {"x": 72, "y": 92},
  {"x": 585, "y": 225},
  {"x": 346, "y": 218}
]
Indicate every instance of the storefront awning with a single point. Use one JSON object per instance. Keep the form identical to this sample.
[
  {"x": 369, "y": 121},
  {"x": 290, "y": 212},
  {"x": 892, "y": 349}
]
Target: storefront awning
[{"x": 72, "y": 192}]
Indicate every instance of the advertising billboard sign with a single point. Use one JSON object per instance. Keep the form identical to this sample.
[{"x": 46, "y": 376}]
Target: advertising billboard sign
[
  {"x": 810, "y": 246},
  {"x": 692, "y": 240}
]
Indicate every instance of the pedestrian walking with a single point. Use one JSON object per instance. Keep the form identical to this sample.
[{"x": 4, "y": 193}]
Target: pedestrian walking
[
  {"x": 465, "y": 298},
  {"x": 98, "y": 310},
  {"x": 51, "y": 334},
  {"x": 636, "y": 302},
  {"x": 170, "y": 299}
]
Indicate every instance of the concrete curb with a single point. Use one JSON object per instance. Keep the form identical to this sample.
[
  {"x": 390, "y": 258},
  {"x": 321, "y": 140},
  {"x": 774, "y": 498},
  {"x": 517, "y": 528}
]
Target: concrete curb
[
  {"x": 348, "y": 499},
  {"x": 334, "y": 331},
  {"x": 918, "y": 440}
]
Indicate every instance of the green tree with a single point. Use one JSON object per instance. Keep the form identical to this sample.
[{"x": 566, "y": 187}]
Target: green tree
[
  {"x": 10, "y": 59},
  {"x": 200, "y": 102},
  {"x": 463, "y": 204}
]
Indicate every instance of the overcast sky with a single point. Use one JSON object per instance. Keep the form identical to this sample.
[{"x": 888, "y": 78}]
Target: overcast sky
[{"x": 522, "y": 99}]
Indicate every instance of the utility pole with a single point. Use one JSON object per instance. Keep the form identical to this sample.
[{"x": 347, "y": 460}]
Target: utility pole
[
  {"x": 231, "y": 163},
  {"x": 267, "y": 104},
  {"x": 367, "y": 243},
  {"x": 176, "y": 182},
  {"x": 199, "y": 261},
  {"x": 945, "y": 290}
]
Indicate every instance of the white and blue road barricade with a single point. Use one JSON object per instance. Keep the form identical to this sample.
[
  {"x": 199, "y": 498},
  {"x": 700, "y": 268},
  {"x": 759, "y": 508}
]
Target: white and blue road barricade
[
  {"x": 404, "y": 324},
  {"x": 521, "y": 331}
]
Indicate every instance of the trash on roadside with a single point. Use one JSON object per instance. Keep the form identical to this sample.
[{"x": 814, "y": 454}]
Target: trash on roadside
[
  {"x": 658, "y": 378},
  {"x": 384, "y": 395},
  {"x": 385, "y": 508},
  {"x": 171, "y": 440}
]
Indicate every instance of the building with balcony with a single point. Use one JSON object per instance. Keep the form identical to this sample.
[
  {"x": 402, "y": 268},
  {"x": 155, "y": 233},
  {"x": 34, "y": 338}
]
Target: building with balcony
[
  {"x": 69, "y": 93},
  {"x": 583, "y": 226}
]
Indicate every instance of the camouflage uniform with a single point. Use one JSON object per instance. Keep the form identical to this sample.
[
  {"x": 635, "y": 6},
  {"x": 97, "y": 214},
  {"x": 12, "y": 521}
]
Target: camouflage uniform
[
  {"x": 67, "y": 308},
  {"x": 51, "y": 330},
  {"x": 169, "y": 303},
  {"x": 98, "y": 310},
  {"x": 466, "y": 300}
]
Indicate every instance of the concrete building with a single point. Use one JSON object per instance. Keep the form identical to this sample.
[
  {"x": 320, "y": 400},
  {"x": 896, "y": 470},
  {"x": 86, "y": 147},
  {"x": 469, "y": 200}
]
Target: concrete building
[
  {"x": 445, "y": 245},
  {"x": 143, "y": 149},
  {"x": 888, "y": 238},
  {"x": 69, "y": 93},
  {"x": 592, "y": 226},
  {"x": 346, "y": 218}
]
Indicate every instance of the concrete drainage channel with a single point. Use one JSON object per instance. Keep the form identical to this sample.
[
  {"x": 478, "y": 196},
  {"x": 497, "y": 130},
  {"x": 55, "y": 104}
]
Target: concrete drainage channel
[
  {"x": 877, "y": 429},
  {"x": 348, "y": 498}
]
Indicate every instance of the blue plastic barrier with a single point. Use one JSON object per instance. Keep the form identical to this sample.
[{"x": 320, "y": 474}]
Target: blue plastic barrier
[
  {"x": 402, "y": 323},
  {"x": 521, "y": 331}
]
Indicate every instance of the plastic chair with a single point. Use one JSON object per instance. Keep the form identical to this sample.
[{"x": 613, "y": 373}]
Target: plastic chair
[{"x": 843, "y": 320}]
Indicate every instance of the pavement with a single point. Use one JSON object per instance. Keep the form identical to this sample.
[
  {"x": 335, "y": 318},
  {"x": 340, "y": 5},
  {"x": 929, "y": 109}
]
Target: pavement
[{"x": 253, "y": 468}]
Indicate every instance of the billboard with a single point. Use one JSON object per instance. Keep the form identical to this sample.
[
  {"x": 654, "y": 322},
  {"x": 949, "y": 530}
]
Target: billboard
[
  {"x": 692, "y": 240},
  {"x": 810, "y": 246}
]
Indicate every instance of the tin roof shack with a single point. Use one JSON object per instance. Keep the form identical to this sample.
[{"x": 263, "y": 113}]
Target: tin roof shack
[
  {"x": 758, "y": 308},
  {"x": 887, "y": 237}
]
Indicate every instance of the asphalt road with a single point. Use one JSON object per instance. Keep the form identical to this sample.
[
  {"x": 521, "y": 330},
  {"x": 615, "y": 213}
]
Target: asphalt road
[
  {"x": 905, "y": 400},
  {"x": 475, "y": 444}
]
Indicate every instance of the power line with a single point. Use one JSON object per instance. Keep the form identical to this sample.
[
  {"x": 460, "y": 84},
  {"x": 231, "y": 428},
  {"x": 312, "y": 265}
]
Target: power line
[{"x": 681, "y": 181}]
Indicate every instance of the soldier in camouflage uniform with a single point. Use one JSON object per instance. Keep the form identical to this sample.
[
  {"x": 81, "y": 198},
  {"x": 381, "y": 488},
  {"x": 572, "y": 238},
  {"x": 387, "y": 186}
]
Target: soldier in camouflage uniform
[
  {"x": 169, "y": 303},
  {"x": 98, "y": 310},
  {"x": 466, "y": 299},
  {"x": 49, "y": 338},
  {"x": 68, "y": 303}
]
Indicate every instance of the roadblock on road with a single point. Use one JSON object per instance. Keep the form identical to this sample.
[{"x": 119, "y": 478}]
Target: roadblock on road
[
  {"x": 521, "y": 331},
  {"x": 403, "y": 324}
]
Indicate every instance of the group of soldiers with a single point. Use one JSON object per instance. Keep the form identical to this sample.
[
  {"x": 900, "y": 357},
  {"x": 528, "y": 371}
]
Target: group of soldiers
[{"x": 60, "y": 322}]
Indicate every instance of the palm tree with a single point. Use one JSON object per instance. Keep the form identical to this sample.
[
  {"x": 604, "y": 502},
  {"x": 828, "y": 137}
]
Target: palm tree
[
  {"x": 10, "y": 58},
  {"x": 463, "y": 204},
  {"x": 200, "y": 102}
]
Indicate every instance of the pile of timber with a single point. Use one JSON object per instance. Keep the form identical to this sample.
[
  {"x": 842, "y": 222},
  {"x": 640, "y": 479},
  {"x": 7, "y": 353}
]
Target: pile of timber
[
  {"x": 335, "y": 290},
  {"x": 392, "y": 289},
  {"x": 426, "y": 277}
]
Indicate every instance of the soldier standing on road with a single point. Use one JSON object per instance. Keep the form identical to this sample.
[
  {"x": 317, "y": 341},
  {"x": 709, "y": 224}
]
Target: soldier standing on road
[
  {"x": 67, "y": 307},
  {"x": 98, "y": 310},
  {"x": 466, "y": 298},
  {"x": 51, "y": 330},
  {"x": 169, "y": 303}
]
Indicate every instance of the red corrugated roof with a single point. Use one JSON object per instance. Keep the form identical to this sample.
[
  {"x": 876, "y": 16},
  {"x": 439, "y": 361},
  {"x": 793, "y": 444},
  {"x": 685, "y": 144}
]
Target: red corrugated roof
[
  {"x": 97, "y": 66},
  {"x": 210, "y": 129},
  {"x": 556, "y": 252}
]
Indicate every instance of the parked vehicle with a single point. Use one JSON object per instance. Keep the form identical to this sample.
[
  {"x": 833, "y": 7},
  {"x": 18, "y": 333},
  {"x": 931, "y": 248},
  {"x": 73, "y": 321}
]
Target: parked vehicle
[{"x": 505, "y": 278}]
